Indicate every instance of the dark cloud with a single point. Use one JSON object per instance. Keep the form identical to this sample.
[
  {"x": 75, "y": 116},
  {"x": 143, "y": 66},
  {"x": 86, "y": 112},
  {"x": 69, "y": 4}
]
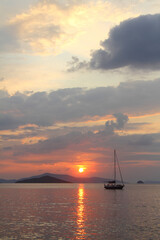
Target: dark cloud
[
  {"x": 134, "y": 42},
  {"x": 145, "y": 140},
  {"x": 75, "y": 64},
  {"x": 138, "y": 143},
  {"x": 65, "y": 105},
  {"x": 7, "y": 121},
  {"x": 52, "y": 144},
  {"x": 121, "y": 119},
  {"x": 7, "y": 148}
]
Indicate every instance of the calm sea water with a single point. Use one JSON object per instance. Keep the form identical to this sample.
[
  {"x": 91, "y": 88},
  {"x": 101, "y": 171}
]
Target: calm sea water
[{"x": 79, "y": 211}]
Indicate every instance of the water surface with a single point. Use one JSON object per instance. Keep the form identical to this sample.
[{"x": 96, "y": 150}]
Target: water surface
[{"x": 79, "y": 211}]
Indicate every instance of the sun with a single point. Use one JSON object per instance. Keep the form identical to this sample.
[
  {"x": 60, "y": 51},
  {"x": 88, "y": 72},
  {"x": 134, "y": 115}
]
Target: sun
[{"x": 81, "y": 170}]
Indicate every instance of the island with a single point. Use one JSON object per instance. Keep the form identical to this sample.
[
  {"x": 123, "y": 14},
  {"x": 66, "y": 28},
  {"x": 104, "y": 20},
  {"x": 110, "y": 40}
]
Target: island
[
  {"x": 140, "y": 182},
  {"x": 43, "y": 179}
]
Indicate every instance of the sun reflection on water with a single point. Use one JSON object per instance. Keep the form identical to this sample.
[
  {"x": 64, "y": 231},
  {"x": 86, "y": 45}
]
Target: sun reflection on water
[{"x": 80, "y": 213}]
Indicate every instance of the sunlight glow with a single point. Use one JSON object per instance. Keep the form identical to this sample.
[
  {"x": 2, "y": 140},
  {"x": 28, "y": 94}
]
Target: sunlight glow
[{"x": 81, "y": 170}]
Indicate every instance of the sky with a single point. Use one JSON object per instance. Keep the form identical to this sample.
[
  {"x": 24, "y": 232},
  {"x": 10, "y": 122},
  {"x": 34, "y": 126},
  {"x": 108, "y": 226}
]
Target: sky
[{"x": 78, "y": 79}]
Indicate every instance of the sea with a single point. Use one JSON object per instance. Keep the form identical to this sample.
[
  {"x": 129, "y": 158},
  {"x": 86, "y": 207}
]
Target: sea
[{"x": 79, "y": 211}]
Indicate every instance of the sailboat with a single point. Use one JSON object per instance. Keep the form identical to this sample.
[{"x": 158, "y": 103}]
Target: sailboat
[{"x": 113, "y": 184}]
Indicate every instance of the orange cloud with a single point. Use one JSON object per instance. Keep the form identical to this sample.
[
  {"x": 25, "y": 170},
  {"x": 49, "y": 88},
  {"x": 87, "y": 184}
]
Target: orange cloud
[{"x": 33, "y": 140}]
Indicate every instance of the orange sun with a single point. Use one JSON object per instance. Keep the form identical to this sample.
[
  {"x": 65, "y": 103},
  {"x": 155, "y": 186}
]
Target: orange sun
[{"x": 81, "y": 170}]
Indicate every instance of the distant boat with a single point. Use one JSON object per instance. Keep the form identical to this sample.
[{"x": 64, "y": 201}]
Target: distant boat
[{"x": 113, "y": 184}]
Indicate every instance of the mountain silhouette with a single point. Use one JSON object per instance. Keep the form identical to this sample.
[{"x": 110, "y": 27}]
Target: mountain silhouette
[{"x": 43, "y": 179}]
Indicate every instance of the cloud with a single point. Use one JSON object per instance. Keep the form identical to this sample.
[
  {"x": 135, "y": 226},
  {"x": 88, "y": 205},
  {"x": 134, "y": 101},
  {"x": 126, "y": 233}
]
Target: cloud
[
  {"x": 134, "y": 42},
  {"x": 3, "y": 94},
  {"x": 76, "y": 140},
  {"x": 7, "y": 121},
  {"x": 121, "y": 119},
  {"x": 78, "y": 104},
  {"x": 76, "y": 143},
  {"x": 56, "y": 143},
  {"x": 75, "y": 64},
  {"x": 143, "y": 140},
  {"x": 41, "y": 29},
  {"x": 47, "y": 27}
]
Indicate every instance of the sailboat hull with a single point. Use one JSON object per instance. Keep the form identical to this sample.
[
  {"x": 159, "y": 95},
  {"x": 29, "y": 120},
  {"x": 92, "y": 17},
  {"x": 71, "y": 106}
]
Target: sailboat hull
[{"x": 114, "y": 187}]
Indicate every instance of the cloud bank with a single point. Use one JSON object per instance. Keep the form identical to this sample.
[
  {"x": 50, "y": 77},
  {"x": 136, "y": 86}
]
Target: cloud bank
[
  {"x": 78, "y": 104},
  {"x": 134, "y": 42}
]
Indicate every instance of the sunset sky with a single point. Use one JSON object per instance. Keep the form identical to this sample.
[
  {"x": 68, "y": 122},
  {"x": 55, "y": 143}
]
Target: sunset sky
[{"x": 78, "y": 79}]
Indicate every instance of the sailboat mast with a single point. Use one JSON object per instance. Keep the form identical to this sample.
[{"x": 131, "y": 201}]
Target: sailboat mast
[
  {"x": 115, "y": 165},
  {"x": 120, "y": 171}
]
